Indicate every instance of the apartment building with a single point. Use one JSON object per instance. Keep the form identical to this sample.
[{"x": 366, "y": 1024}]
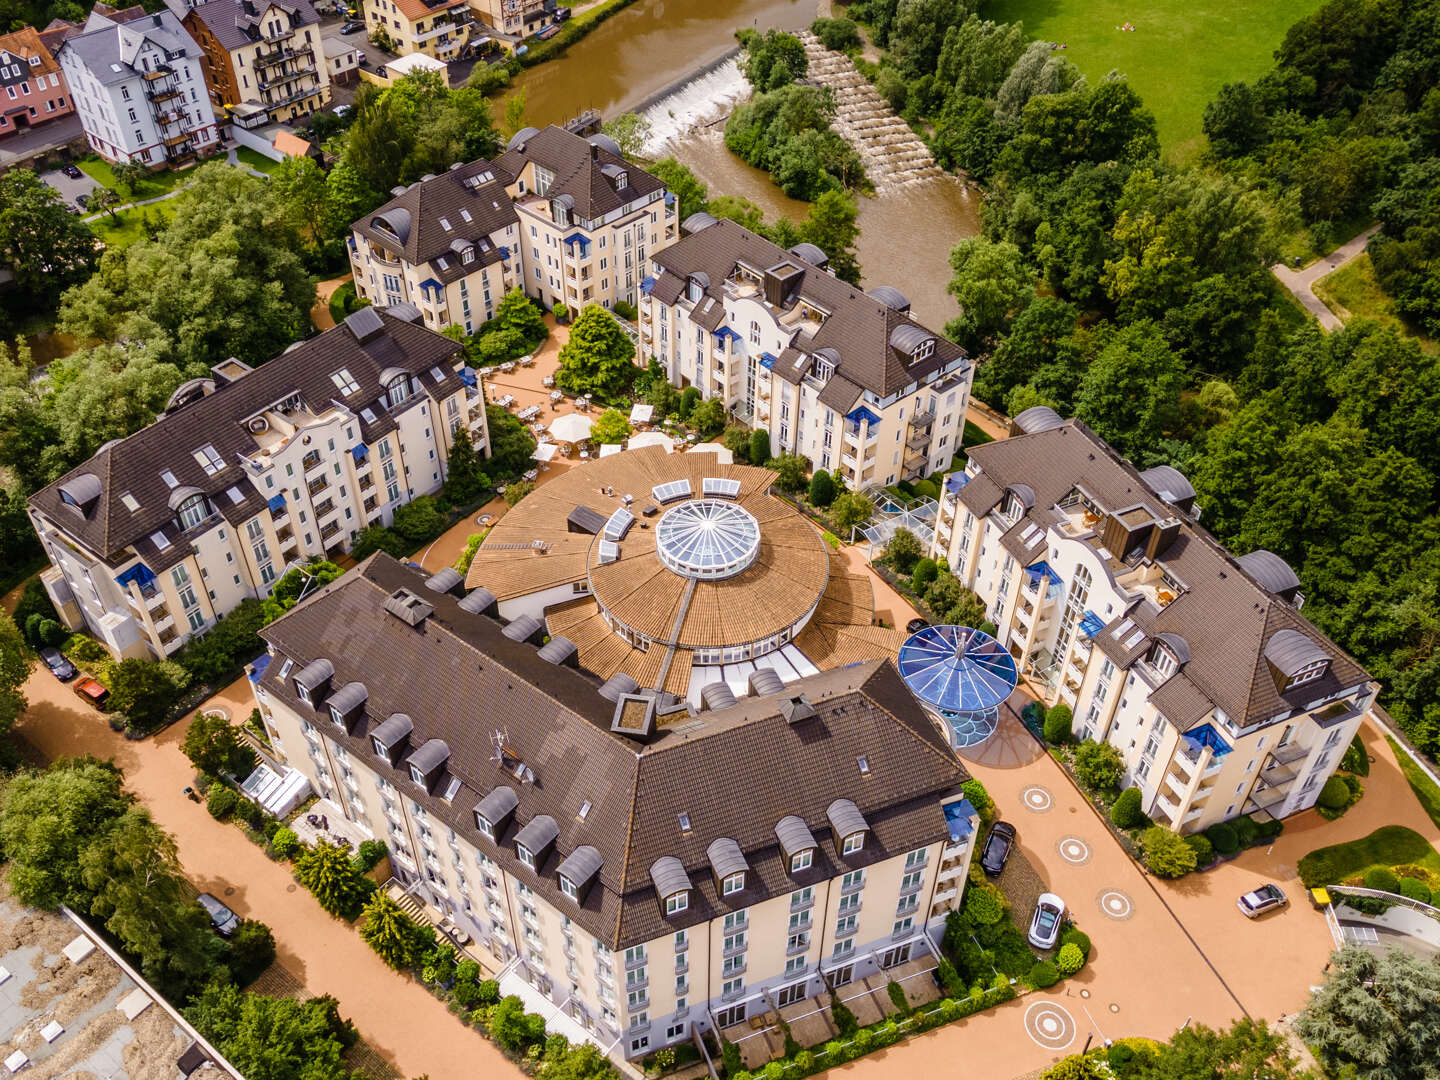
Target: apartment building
[
  {"x": 34, "y": 90},
  {"x": 589, "y": 220},
  {"x": 264, "y": 60},
  {"x": 249, "y": 472},
  {"x": 647, "y": 879},
  {"x": 438, "y": 28},
  {"x": 1196, "y": 664},
  {"x": 448, "y": 244},
  {"x": 517, "y": 18},
  {"x": 846, "y": 379},
  {"x": 140, "y": 90}
]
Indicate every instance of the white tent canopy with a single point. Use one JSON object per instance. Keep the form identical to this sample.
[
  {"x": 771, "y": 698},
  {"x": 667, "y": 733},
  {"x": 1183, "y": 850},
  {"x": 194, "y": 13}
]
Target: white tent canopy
[
  {"x": 571, "y": 428},
  {"x": 641, "y": 413},
  {"x": 722, "y": 455},
  {"x": 545, "y": 451},
  {"x": 651, "y": 438}
]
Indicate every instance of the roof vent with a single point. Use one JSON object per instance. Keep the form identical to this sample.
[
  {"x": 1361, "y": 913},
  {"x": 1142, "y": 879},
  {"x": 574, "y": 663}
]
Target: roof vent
[
  {"x": 365, "y": 324},
  {"x": 525, "y": 628},
  {"x": 718, "y": 695},
  {"x": 410, "y": 608},
  {"x": 764, "y": 681},
  {"x": 560, "y": 650},
  {"x": 618, "y": 684},
  {"x": 797, "y": 708},
  {"x": 634, "y": 716},
  {"x": 444, "y": 581}
]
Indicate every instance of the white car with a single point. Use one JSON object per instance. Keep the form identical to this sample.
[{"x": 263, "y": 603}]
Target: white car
[{"x": 1045, "y": 923}]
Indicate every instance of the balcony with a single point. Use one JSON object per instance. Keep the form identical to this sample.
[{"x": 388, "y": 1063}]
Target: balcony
[
  {"x": 319, "y": 484},
  {"x": 918, "y": 441},
  {"x": 280, "y": 55},
  {"x": 325, "y": 508},
  {"x": 1289, "y": 753},
  {"x": 176, "y": 140},
  {"x": 923, "y": 418},
  {"x": 162, "y": 92},
  {"x": 1170, "y": 807},
  {"x": 158, "y": 73},
  {"x": 329, "y": 530}
]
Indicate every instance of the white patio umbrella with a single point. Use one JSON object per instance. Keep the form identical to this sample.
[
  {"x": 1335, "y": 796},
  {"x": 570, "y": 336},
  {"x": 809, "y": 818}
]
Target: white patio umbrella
[
  {"x": 641, "y": 413},
  {"x": 651, "y": 438},
  {"x": 610, "y": 449},
  {"x": 544, "y": 452},
  {"x": 571, "y": 428}
]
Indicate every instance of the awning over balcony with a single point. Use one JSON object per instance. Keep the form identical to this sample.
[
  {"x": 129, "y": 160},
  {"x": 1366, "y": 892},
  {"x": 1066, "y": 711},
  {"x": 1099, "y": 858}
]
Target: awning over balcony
[
  {"x": 359, "y": 452},
  {"x": 646, "y": 285},
  {"x": 1041, "y": 570},
  {"x": 1205, "y": 735},
  {"x": 1091, "y": 624},
  {"x": 955, "y": 481},
  {"x": 722, "y": 333},
  {"x": 958, "y": 817},
  {"x": 468, "y": 376},
  {"x": 139, "y": 574},
  {"x": 862, "y": 413},
  {"x": 277, "y": 503},
  {"x": 257, "y": 669},
  {"x": 768, "y": 360}
]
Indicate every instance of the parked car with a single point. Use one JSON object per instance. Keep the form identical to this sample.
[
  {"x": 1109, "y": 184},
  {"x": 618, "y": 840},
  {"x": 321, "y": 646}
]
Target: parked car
[
  {"x": 1261, "y": 899},
  {"x": 222, "y": 918},
  {"x": 60, "y": 667},
  {"x": 92, "y": 691},
  {"x": 352, "y": 27},
  {"x": 1045, "y": 923},
  {"x": 997, "y": 848},
  {"x": 344, "y": 110},
  {"x": 915, "y": 626},
  {"x": 561, "y": 14},
  {"x": 72, "y": 171},
  {"x": 82, "y": 204}
]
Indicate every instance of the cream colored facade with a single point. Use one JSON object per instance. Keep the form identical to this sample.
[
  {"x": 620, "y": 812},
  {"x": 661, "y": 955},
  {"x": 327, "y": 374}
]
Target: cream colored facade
[
  {"x": 285, "y": 72},
  {"x": 518, "y": 18},
  {"x": 383, "y": 276},
  {"x": 651, "y": 995},
  {"x": 442, "y": 31}
]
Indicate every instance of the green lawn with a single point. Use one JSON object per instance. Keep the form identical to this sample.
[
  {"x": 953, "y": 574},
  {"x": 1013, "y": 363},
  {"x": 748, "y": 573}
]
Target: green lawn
[
  {"x": 1177, "y": 57},
  {"x": 256, "y": 160},
  {"x": 128, "y": 226},
  {"x": 1426, "y": 790},
  {"x": 155, "y": 184},
  {"x": 1353, "y": 292},
  {"x": 1392, "y": 845}
]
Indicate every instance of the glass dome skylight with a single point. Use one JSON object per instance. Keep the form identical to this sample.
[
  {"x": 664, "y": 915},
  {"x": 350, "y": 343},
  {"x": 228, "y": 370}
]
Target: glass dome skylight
[
  {"x": 707, "y": 539},
  {"x": 963, "y": 673}
]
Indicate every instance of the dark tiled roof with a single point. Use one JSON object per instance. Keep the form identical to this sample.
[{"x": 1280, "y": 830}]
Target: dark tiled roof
[
  {"x": 415, "y": 218},
  {"x": 1224, "y": 614},
  {"x": 860, "y": 328},
  {"x": 733, "y": 773},
  {"x": 133, "y": 465},
  {"x": 577, "y": 165},
  {"x": 237, "y": 22}
]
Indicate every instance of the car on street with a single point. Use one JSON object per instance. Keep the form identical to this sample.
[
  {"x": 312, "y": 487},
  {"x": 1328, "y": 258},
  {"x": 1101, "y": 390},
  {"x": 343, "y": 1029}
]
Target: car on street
[
  {"x": 60, "y": 667},
  {"x": 72, "y": 171},
  {"x": 1261, "y": 899},
  {"x": 222, "y": 918},
  {"x": 915, "y": 626},
  {"x": 82, "y": 204},
  {"x": 352, "y": 27},
  {"x": 92, "y": 691},
  {"x": 1045, "y": 923},
  {"x": 997, "y": 848}
]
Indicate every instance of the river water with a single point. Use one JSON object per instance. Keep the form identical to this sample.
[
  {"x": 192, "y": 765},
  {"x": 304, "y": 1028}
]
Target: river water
[{"x": 905, "y": 236}]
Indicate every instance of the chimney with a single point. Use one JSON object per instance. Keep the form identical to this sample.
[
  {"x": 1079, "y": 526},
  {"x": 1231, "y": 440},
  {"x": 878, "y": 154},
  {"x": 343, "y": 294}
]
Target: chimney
[{"x": 594, "y": 152}]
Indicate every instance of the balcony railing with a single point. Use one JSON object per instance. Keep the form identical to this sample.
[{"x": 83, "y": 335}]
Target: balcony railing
[
  {"x": 923, "y": 418},
  {"x": 1289, "y": 753}
]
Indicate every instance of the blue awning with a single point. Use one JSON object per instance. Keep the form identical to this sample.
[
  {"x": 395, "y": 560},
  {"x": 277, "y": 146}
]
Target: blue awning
[
  {"x": 955, "y": 481},
  {"x": 431, "y": 283},
  {"x": 139, "y": 574},
  {"x": 646, "y": 285},
  {"x": 277, "y": 503},
  {"x": 669, "y": 198},
  {"x": 468, "y": 376},
  {"x": 504, "y": 252},
  {"x": 1091, "y": 624},
  {"x": 958, "y": 817},
  {"x": 768, "y": 360},
  {"x": 359, "y": 452},
  {"x": 862, "y": 413},
  {"x": 573, "y": 237},
  {"x": 1042, "y": 570},
  {"x": 725, "y": 332},
  {"x": 257, "y": 669},
  {"x": 1205, "y": 735}
]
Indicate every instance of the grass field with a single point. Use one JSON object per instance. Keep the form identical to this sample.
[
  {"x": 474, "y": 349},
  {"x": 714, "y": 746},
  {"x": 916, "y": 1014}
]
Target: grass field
[
  {"x": 1392, "y": 845},
  {"x": 1426, "y": 790},
  {"x": 128, "y": 226},
  {"x": 1178, "y": 56},
  {"x": 155, "y": 184},
  {"x": 256, "y": 160},
  {"x": 1353, "y": 293}
]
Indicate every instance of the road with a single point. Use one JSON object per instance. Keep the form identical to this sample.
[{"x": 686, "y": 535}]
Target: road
[{"x": 1300, "y": 282}]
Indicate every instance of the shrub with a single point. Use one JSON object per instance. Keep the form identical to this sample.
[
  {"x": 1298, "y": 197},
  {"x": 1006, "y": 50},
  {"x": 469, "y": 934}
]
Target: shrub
[
  {"x": 561, "y": 312},
  {"x": 1204, "y": 850},
  {"x": 926, "y": 570},
  {"x": 949, "y": 980},
  {"x": 1223, "y": 838},
  {"x": 369, "y": 854},
  {"x": 1415, "y": 889},
  {"x": 822, "y": 489},
  {"x": 837, "y": 35},
  {"x": 252, "y": 950},
  {"x": 420, "y": 519},
  {"x": 1057, "y": 724},
  {"x": 489, "y": 991},
  {"x": 1335, "y": 795},
  {"x": 927, "y": 489},
  {"x": 390, "y": 932},
  {"x": 904, "y": 551},
  {"x": 221, "y": 802},
  {"x": 845, "y": 1021},
  {"x": 1126, "y": 813},
  {"x": 1098, "y": 766},
  {"x": 1078, "y": 938},
  {"x": 378, "y": 538},
  {"x": 284, "y": 842},
  {"x": 897, "y": 997},
  {"x": 1246, "y": 831},
  {"x": 1069, "y": 959},
  {"x": 624, "y": 309},
  {"x": 1382, "y": 879},
  {"x": 730, "y": 1057},
  {"x": 983, "y": 905},
  {"x": 1043, "y": 975},
  {"x": 516, "y": 491},
  {"x": 759, "y": 447},
  {"x": 1166, "y": 853},
  {"x": 980, "y": 799},
  {"x": 326, "y": 870}
]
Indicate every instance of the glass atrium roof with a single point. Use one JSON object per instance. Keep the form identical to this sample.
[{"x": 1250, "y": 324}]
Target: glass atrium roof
[
  {"x": 707, "y": 539},
  {"x": 957, "y": 669}
]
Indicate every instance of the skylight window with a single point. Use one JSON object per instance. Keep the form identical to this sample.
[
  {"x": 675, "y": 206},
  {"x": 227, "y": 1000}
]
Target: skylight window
[
  {"x": 169, "y": 478},
  {"x": 864, "y": 763},
  {"x": 465, "y": 214},
  {"x": 160, "y": 540},
  {"x": 437, "y": 374},
  {"x": 367, "y": 416},
  {"x": 344, "y": 381},
  {"x": 209, "y": 459},
  {"x": 1030, "y": 530},
  {"x": 286, "y": 666},
  {"x": 1124, "y": 628},
  {"x": 584, "y": 810},
  {"x": 445, "y": 224},
  {"x": 685, "y": 823},
  {"x": 236, "y": 496},
  {"x": 129, "y": 501},
  {"x": 443, "y": 263},
  {"x": 1135, "y": 639},
  {"x": 609, "y": 552}
]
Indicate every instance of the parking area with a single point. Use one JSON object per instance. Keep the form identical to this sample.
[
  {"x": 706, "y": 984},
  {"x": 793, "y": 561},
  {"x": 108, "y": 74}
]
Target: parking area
[{"x": 70, "y": 188}]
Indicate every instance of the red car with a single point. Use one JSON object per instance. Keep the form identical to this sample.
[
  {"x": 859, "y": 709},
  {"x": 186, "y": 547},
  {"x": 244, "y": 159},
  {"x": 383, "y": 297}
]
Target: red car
[{"x": 92, "y": 691}]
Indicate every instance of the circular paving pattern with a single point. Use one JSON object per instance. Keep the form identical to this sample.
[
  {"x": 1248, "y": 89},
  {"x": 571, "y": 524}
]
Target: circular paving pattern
[
  {"x": 1037, "y": 798},
  {"x": 1049, "y": 1025},
  {"x": 1115, "y": 904},
  {"x": 1073, "y": 850}
]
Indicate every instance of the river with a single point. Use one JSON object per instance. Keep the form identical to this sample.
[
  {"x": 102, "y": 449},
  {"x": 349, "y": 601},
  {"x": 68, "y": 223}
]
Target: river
[{"x": 905, "y": 236}]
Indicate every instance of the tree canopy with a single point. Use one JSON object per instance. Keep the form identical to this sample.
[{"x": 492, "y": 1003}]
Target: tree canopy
[
  {"x": 42, "y": 243},
  {"x": 599, "y": 358}
]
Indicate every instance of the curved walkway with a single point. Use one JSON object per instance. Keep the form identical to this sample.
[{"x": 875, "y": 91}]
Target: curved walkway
[{"x": 1301, "y": 282}]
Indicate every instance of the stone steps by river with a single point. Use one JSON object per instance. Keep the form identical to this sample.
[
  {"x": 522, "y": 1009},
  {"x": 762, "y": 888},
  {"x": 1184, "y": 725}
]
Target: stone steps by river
[{"x": 892, "y": 154}]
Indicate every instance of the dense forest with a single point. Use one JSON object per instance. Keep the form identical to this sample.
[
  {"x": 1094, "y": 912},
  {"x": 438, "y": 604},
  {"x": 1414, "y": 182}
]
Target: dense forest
[{"x": 1136, "y": 294}]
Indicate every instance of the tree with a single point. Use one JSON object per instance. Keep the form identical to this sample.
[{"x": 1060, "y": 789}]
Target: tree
[
  {"x": 831, "y": 226},
  {"x": 143, "y": 689},
  {"x": 465, "y": 478},
  {"x": 390, "y": 932},
  {"x": 1249, "y": 1049},
  {"x": 1166, "y": 853},
  {"x": 1098, "y": 765},
  {"x": 270, "y": 1038},
  {"x": 993, "y": 286},
  {"x": 14, "y": 671},
  {"x": 1076, "y": 1067},
  {"x": 849, "y": 510},
  {"x": 513, "y": 1028},
  {"x": 1126, "y": 813},
  {"x": 822, "y": 489},
  {"x": 1375, "y": 1016},
  {"x": 252, "y": 950},
  {"x": 631, "y": 132},
  {"x": 1057, "y": 724},
  {"x": 214, "y": 746},
  {"x": 837, "y": 35},
  {"x": 514, "y": 113},
  {"x": 511, "y": 443},
  {"x": 46, "y": 247},
  {"x": 903, "y": 551},
  {"x": 919, "y": 32},
  {"x": 298, "y": 583},
  {"x": 599, "y": 358},
  {"x": 517, "y": 490},
  {"x": 772, "y": 59},
  {"x": 1233, "y": 122},
  {"x": 420, "y": 519},
  {"x": 682, "y": 183},
  {"x": 790, "y": 472},
  {"x": 1131, "y": 393},
  {"x": 611, "y": 426},
  {"x": 327, "y": 871},
  {"x": 759, "y": 451},
  {"x": 708, "y": 417}
]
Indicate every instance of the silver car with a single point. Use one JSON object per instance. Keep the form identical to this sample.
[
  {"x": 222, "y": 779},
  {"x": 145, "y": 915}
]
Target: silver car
[
  {"x": 1261, "y": 899},
  {"x": 222, "y": 918},
  {"x": 1045, "y": 923}
]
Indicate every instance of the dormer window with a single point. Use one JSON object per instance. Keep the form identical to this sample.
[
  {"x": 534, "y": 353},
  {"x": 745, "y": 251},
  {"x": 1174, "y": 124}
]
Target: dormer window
[
  {"x": 397, "y": 390},
  {"x": 482, "y": 823},
  {"x": 415, "y": 774},
  {"x": 568, "y": 888},
  {"x": 676, "y": 903},
  {"x": 192, "y": 512},
  {"x": 824, "y": 369},
  {"x": 468, "y": 255},
  {"x": 694, "y": 291},
  {"x": 923, "y": 351},
  {"x": 733, "y": 883},
  {"x": 1308, "y": 673},
  {"x": 1163, "y": 661},
  {"x": 525, "y": 855},
  {"x": 802, "y": 860},
  {"x": 622, "y": 180}
]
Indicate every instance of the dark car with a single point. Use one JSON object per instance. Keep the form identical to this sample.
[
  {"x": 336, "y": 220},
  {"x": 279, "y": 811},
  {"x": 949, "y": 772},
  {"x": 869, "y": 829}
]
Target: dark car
[
  {"x": 352, "y": 27},
  {"x": 915, "y": 626},
  {"x": 997, "y": 847},
  {"x": 72, "y": 171},
  {"x": 222, "y": 918},
  {"x": 82, "y": 204},
  {"x": 1261, "y": 899},
  {"x": 61, "y": 668}
]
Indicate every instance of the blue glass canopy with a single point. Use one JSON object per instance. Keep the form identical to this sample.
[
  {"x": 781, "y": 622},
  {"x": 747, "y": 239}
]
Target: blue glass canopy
[{"x": 957, "y": 669}]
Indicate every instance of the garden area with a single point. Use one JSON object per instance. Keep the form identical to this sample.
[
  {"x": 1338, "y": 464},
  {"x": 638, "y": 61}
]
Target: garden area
[
  {"x": 1389, "y": 856},
  {"x": 929, "y": 585}
]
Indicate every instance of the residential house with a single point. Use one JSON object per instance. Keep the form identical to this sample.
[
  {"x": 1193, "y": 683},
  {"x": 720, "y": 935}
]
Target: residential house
[
  {"x": 139, "y": 88},
  {"x": 649, "y": 881},
  {"x": 342, "y": 59},
  {"x": 264, "y": 59},
  {"x": 34, "y": 91},
  {"x": 515, "y": 18},
  {"x": 440, "y": 29},
  {"x": 850, "y": 380},
  {"x": 250, "y": 472},
  {"x": 1195, "y": 664}
]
